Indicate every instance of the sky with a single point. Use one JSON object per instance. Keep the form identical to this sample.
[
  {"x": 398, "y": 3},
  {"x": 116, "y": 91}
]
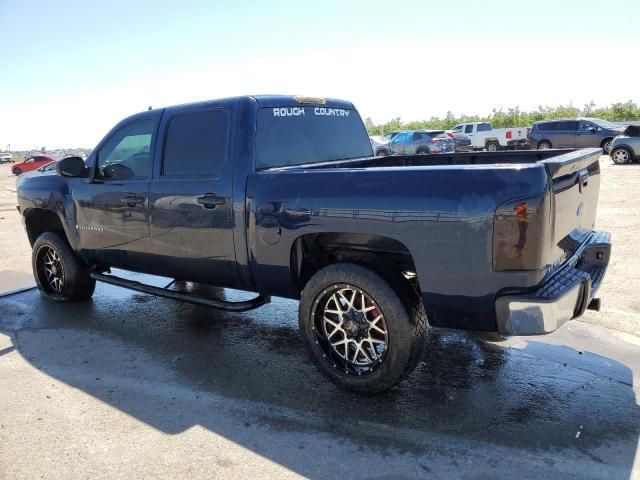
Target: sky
[{"x": 72, "y": 69}]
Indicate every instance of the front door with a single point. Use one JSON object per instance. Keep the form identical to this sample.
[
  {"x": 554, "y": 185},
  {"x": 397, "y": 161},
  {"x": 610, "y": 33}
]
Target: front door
[
  {"x": 398, "y": 143},
  {"x": 565, "y": 135},
  {"x": 587, "y": 135},
  {"x": 191, "y": 203},
  {"x": 112, "y": 207}
]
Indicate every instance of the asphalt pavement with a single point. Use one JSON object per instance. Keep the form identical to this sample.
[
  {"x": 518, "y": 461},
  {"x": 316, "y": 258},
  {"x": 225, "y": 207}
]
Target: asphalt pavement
[{"x": 133, "y": 386}]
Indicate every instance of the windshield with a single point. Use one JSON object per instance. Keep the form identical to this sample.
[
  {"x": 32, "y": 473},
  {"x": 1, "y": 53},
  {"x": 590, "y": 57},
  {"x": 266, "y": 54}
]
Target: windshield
[
  {"x": 288, "y": 136},
  {"x": 605, "y": 124}
]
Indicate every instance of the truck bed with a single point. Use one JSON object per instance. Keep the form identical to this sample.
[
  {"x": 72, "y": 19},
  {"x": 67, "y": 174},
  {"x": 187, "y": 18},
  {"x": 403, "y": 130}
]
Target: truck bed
[{"x": 467, "y": 158}]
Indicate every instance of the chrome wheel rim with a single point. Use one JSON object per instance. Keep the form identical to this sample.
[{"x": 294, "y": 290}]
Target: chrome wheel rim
[
  {"x": 545, "y": 146},
  {"x": 351, "y": 329},
  {"x": 620, "y": 156},
  {"x": 51, "y": 269},
  {"x": 607, "y": 147},
  {"x": 492, "y": 147}
]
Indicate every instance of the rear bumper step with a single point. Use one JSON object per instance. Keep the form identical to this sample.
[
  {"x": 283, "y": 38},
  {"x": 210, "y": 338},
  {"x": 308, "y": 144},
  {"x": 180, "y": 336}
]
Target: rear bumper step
[
  {"x": 243, "y": 306},
  {"x": 563, "y": 296}
]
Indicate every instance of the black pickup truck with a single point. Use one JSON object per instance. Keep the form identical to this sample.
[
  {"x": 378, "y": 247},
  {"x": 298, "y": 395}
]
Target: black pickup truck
[{"x": 282, "y": 196}]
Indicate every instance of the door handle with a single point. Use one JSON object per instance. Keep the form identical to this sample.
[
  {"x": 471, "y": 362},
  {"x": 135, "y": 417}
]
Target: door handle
[
  {"x": 210, "y": 200},
  {"x": 132, "y": 200}
]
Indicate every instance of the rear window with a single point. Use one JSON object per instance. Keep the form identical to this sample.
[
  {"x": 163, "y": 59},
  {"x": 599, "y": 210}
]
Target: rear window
[
  {"x": 548, "y": 126},
  {"x": 288, "y": 136},
  {"x": 195, "y": 144}
]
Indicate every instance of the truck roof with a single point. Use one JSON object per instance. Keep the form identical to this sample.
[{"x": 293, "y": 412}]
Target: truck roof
[{"x": 262, "y": 101}]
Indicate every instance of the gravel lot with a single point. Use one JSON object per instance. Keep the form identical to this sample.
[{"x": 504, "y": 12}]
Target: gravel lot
[{"x": 133, "y": 386}]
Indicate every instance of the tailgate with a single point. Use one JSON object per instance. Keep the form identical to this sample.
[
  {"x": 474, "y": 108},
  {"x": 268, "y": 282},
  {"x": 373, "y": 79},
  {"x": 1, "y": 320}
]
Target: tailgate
[{"x": 575, "y": 187}]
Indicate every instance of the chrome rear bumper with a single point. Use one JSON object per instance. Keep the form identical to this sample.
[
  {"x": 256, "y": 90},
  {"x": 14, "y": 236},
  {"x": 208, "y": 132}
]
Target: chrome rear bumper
[{"x": 562, "y": 296}]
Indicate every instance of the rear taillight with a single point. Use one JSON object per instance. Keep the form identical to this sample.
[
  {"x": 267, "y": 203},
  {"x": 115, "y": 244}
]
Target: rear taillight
[
  {"x": 528, "y": 132},
  {"x": 521, "y": 234},
  {"x": 509, "y": 134}
]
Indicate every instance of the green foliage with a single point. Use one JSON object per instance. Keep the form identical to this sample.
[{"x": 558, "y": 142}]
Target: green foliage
[{"x": 513, "y": 117}]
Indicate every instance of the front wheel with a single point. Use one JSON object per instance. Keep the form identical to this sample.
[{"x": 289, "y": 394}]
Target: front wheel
[
  {"x": 59, "y": 274},
  {"x": 17, "y": 171},
  {"x": 620, "y": 156},
  {"x": 362, "y": 334},
  {"x": 606, "y": 145}
]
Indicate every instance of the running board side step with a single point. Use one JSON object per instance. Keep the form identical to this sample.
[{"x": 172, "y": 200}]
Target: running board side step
[{"x": 244, "y": 306}]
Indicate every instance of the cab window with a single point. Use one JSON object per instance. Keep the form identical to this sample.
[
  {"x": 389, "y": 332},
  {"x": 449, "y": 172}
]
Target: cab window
[
  {"x": 468, "y": 129},
  {"x": 125, "y": 155}
]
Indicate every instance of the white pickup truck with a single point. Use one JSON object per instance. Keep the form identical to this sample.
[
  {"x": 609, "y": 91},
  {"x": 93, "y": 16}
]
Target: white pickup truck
[{"x": 483, "y": 136}]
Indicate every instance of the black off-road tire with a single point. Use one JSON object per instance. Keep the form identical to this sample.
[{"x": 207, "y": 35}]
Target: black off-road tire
[
  {"x": 77, "y": 283},
  {"x": 423, "y": 151},
  {"x": 17, "y": 171},
  {"x": 405, "y": 318}
]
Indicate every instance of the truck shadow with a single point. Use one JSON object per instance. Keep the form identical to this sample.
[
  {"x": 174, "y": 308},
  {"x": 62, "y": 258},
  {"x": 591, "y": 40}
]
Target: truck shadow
[{"x": 167, "y": 364}]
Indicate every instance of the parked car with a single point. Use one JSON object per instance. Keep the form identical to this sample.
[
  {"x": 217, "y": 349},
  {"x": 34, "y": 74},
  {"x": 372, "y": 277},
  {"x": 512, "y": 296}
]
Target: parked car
[
  {"x": 421, "y": 142},
  {"x": 484, "y": 137},
  {"x": 625, "y": 148},
  {"x": 6, "y": 157},
  {"x": 380, "y": 145},
  {"x": 579, "y": 133},
  {"x": 282, "y": 196},
  {"x": 31, "y": 163},
  {"x": 47, "y": 169}
]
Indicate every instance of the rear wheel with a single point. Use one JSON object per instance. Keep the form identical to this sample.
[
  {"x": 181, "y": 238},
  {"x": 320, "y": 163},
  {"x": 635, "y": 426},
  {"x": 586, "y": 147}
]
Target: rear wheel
[
  {"x": 423, "y": 151},
  {"x": 620, "y": 155},
  {"x": 59, "y": 274},
  {"x": 17, "y": 171},
  {"x": 493, "y": 146},
  {"x": 544, "y": 145},
  {"x": 361, "y": 333},
  {"x": 382, "y": 153}
]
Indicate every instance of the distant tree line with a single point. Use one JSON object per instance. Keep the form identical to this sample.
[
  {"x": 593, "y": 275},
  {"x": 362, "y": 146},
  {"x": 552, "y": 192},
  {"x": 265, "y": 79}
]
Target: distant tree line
[{"x": 513, "y": 117}]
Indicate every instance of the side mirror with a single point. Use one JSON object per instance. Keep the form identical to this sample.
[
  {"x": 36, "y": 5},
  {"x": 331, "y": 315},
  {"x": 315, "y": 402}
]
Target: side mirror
[
  {"x": 71, "y": 167},
  {"x": 593, "y": 129}
]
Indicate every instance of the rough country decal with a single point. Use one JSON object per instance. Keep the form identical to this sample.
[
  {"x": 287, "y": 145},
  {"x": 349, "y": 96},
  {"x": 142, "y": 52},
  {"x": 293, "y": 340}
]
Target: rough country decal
[{"x": 317, "y": 111}]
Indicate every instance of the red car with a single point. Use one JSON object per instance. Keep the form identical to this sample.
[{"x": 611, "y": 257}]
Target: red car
[{"x": 31, "y": 163}]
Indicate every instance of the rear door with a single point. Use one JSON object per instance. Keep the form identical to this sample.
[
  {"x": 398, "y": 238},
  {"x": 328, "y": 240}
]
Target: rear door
[
  {"x": 565, "y": 134},
  {"x": 190, "y": 196}
]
